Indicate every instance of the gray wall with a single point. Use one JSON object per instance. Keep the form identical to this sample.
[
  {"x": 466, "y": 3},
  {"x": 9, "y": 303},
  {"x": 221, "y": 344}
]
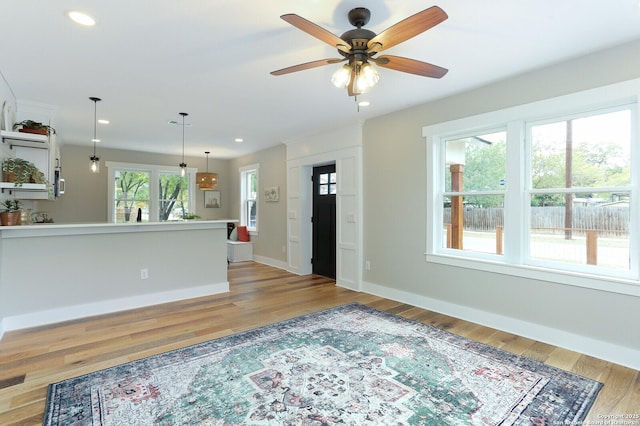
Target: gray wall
[
  {"x": 272, "y": 227},
  {"x": 394, "y": 235},
  {"x": 85, "y": 200}
]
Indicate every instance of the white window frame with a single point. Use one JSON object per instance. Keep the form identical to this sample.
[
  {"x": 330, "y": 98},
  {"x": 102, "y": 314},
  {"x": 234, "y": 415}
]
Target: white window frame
[
  {"x": 154, "y": 177},
  {"x": 244, "y": 172},
  {"x": 516, "y": 242}
]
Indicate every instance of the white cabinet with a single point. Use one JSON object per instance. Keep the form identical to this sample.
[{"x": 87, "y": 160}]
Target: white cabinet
[{"x": 239, "y": 251}]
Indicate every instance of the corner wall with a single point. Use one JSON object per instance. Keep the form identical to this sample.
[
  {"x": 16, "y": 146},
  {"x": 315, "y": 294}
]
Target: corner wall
[
  {"x": 586, "y": 320},
  {"x": 269, "y": 245},
  {"x": 344, "y": 148}
]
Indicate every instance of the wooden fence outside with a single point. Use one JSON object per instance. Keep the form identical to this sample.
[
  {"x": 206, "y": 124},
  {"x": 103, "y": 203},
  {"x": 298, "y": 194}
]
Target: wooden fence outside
[{"x": 608, "y": 221}]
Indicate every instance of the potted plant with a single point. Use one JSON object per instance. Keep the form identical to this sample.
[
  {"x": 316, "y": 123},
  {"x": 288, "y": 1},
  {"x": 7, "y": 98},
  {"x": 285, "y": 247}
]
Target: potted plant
[
  {"x": 30, "y": 126},
  {"x": 11, "y": 213},
  {"x": 19, "y": 171},
  {"x": 189, "y": 216}
]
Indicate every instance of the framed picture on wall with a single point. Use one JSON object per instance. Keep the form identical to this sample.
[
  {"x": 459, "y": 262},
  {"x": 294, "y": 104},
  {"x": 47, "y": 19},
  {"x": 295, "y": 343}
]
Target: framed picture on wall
[
  {"x": 212, "y": 199},
  {"x": 272, "y": 193}
]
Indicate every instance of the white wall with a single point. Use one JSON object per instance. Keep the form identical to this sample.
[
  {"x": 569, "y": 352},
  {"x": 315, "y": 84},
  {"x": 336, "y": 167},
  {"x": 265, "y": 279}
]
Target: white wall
[
  {"x": 85, "y": 200},
  {"x": 52, "y": 273},
  {"x": 6, "y": 96},
  {"x": 599, "y": 323},
  {"x": 344, "y": 148},
  {"x": 271, "y": 238}
]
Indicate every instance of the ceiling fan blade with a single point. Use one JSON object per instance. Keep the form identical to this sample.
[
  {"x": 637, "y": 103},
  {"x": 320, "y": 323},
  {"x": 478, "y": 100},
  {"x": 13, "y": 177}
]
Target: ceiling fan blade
[
  {"x": 407, "y": 28},
  {"x": 411, "y": 66},
  {"x": 316, "y": 31},
  {"x": 307, "y": 65}
]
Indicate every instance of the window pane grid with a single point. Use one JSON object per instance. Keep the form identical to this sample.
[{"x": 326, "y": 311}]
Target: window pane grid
[
  {"x": 581, "y": 172},
  {"x": 249, "y": 198}
]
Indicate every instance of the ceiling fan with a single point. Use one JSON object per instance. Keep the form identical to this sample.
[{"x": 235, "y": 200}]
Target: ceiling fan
[{"x": 360, "y": 46}]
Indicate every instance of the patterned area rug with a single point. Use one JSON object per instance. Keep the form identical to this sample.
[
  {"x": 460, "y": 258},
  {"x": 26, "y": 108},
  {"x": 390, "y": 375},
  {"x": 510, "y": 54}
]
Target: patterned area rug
[{"x": 351, "y": 365}]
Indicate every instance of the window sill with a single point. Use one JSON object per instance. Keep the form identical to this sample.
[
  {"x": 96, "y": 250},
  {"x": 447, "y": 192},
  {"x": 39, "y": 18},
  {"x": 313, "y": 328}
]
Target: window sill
[{"x": 612, "y": 285}]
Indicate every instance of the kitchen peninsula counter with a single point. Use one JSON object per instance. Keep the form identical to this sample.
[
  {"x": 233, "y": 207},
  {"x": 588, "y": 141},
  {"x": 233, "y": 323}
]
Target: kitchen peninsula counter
[{"x": 57, "y": 272}]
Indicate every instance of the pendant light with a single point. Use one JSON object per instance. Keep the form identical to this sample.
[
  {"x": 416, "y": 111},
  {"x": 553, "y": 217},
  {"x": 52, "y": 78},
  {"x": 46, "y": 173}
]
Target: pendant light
[
  {"x": 183, "y": 165},
  {"x": 207, "y": 181},
  {"x": 95, "y": 160}
]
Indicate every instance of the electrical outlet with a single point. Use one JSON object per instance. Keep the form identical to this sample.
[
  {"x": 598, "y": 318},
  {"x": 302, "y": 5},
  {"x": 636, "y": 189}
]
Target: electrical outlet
[
  {"x": 144, "y": 273},
  {"x": 367, "y": 265}
]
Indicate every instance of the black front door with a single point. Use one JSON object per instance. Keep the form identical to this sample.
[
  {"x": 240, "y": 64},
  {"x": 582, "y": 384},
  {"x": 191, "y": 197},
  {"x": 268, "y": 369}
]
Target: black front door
[{"x": 324, "y": 221}]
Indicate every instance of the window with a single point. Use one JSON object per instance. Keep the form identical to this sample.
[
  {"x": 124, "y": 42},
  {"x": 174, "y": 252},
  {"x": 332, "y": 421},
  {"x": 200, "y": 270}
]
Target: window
[
  {"x": 327, "y": 184},
  {"x": 474, "y": 188},
  {"x": 159, "y": 192},
  {"x": 579, "y": 191},
  {"x": 249, "y": 197},
  {"x": 542, "y": 198}
]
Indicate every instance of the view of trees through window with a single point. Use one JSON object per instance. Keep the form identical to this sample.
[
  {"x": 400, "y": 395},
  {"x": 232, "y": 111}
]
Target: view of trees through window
[
  {"x": 132, "y": 192},
  {"x": 580, "y": 177},
  {"x": 576, "y": 184}
]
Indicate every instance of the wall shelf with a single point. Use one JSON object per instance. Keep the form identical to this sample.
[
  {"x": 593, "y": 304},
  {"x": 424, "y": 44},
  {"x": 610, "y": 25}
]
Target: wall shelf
[
  {"x": 26, "y": 187},
  {"x": 29, "y": 140}
]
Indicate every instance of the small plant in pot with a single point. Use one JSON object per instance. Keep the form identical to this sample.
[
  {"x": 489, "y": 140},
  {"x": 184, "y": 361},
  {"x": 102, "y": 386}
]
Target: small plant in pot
[
  {"x": 30, "y": 126},
  {"x": 20, "y": 171},
  {"x": 189, "y": 216},
  {"x": 11, "y": 213}
]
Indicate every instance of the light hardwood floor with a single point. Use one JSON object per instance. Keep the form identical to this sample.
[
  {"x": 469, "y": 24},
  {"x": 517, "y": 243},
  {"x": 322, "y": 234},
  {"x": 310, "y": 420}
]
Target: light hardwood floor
[{"x": 260, "y": 295}]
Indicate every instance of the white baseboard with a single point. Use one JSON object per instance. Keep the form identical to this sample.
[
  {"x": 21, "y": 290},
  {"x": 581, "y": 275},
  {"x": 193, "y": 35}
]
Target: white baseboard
[
  {"x": 574, "y": 342},
  {"x": 51, "y": 316},
  {"x": 1, "y": 328},
  {"x": 272, "y": 262}
]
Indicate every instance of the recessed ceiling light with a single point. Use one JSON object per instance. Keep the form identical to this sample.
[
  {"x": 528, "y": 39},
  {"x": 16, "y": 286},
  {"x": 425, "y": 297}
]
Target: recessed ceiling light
[
  {"x": 239, "y": 140},
  {"x": 102, "y": 121},
  {"x": 81, "y": 18}
]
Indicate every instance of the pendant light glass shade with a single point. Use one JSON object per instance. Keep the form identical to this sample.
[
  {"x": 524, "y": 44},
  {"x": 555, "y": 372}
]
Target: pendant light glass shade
[
  {"x": 95, "y": 160},
  {"x": 206, "y": 180}
]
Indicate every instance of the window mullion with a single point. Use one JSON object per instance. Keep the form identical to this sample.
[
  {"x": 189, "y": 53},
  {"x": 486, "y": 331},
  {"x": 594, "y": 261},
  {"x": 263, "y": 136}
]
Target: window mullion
[
  {"x": 516, "y": 215},
  {"x": 434, "y": 193},
  {"x": 154, "y": 195}
]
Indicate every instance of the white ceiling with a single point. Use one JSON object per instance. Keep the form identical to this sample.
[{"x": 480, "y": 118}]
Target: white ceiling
[{"x": 151, "y": 59}]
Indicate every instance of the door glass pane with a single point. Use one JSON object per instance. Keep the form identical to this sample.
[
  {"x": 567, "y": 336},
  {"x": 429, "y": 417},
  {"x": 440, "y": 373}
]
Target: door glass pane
[
  {"x": 131, "y": 193},
  {"x": 323, "y": 190},
  {"x": 324, "y": 178},
  {"x": 580, "y": 230},
  {"x": 474, "y": 223},
  {"x": 332, "y": 178},
  {"x": 476, "y": 163}
]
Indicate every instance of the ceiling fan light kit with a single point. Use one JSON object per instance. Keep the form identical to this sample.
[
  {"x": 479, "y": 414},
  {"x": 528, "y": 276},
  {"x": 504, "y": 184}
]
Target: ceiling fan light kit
[{"x": 359, "y": 47}]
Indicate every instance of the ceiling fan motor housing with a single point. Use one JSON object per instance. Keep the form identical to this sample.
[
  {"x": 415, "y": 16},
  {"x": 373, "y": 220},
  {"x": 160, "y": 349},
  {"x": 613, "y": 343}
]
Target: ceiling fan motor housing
[
  {"x": 359, "y": 17},
  {"x": 357, "y": 39}
]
